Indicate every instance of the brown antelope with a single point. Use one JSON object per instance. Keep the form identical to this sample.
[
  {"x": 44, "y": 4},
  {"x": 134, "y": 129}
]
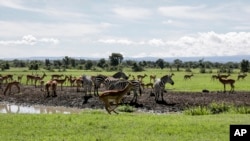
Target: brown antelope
[
  {"x": 30, "y": 78},
  {"x": 71, "y": 80},
  {"x": 39, "y": 78},
  {"x": 51, "y": 85},
  {"x": 56, "y": 76},
  {"x": 242, "y": 76},
  {"x": 187, "y": 76},
  {"x": 61, "y": 81},
  {"x": 115, "y": 95},
  {"x": 213, "y": 77},
  {"x": 152, "y": 77},
  {"x": 141, "y": 77},
  {"x": 9, "y": 86},
  {"x": 19, "y": 78},
  {"x": 227, "y": 82},
  {"x": 224, "y": 75},
  {"x": 7, "y": 78}
]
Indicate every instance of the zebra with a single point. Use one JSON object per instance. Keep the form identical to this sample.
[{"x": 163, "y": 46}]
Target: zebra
[
  {"x": 120, "y": 75},
  {"x": 87, "y": 84},
  {"x": 98, "y": 80},
  {"x": 121, "y": 84},
  {"x": 159, "y": 86}
]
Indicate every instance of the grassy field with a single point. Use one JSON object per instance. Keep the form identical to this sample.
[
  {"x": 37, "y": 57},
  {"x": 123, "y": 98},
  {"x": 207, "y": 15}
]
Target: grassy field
[
  {"x": 97, "y": 125},
  {"x": 197, "y": 83}
]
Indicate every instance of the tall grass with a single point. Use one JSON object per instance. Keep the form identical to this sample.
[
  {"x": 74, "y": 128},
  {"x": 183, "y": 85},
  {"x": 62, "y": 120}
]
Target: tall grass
[
  {"x": 217, "y": 108},
  {"x": 98, "y": 125}
]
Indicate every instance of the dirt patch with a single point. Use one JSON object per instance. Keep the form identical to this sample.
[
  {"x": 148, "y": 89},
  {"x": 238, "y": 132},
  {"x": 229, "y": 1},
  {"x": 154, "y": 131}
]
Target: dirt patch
[{"x": 174, "y": 101}]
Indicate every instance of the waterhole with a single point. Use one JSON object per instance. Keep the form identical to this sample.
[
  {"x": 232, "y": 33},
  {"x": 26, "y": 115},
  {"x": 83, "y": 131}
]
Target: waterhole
[{"x": 36, "y": 109}]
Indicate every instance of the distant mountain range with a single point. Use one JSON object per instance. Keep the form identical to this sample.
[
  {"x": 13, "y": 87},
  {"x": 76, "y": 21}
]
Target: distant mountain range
[{"x": 221, "y": 59}]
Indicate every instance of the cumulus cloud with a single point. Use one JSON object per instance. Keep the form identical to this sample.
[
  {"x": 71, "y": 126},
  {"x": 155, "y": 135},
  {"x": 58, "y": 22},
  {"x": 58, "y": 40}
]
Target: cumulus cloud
[
  {"x": 29, "y": 40},
  {"x": 200, "y": 44}
]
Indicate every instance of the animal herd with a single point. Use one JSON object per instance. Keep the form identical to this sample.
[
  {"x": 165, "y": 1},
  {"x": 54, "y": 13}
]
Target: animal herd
[{"x": 115, "y": 86}]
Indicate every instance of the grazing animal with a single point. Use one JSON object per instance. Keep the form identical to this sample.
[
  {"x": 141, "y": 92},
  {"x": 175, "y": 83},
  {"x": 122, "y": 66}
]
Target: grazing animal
[
  {"x": 141, "y": 77},
  {"x": 51, "y": 86},
  {"x": 87, "y": 84},
  {"x": 98, "y": 80},
  {"x": 152, "y": 78},
  {"x": 159, "y": 86},
  {"x": 121, "y": 84},
  {"x": 115, "y": 95},
  {"x": 227, "y": 82},
  {"x": 9, "y": 86},
  {"x": 120, "y": 75},
  {"x": 61, "y": 81},
  {"x": 187, "y": 76},
  {"x": 242, "y": 76}
]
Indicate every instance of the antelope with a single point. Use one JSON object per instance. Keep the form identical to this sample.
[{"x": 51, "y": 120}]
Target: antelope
[
  {"x": 152, "y": 77},
  {"x": 188, "y": 76},
  {"x": 242, "y": 76},
  {"x": 229, "y": 82},
  {"x": 213, "y": 77},
  {"x": 19, "y": 78},
  {"x": 141, "y": 77},
  {"x": 51, "y": 85},
  {"x": 56, "y": 76},
  {"x": 38, "y": 78},
  {"x": 9, "y": 86},
  {"x": 224, "y": 76},
  {"x": 115, "y": 95},
  {"x": 30, "y": 78},
  {"x": 61, "y": 81}
]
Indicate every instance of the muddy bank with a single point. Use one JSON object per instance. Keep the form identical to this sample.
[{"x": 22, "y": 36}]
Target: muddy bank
[{"x": 174, "y": 101}]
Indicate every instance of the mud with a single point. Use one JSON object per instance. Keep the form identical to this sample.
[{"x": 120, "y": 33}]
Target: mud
[{"x": 173, "y": 101}]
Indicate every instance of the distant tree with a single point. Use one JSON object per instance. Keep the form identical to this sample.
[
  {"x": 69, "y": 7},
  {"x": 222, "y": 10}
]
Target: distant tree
[
  {"x": 66, "y": 61},
  {"x": 177, "y": 63},
  {"x": 244, "y": 66},
  {"x": 115, "y": 59},
  {"x": 102, "y": 63},
  {"x": 88, "y": 64},
  {"x": 160, "y": 63},
  {"x": 137, "y": 68}
]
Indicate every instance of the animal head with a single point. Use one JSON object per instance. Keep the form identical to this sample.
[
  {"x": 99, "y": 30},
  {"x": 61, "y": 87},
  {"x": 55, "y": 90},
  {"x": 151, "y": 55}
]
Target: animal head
[{"x": 167, "y": 79}]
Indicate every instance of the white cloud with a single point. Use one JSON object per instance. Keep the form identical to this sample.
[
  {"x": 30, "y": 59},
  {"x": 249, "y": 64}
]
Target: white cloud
[
  {"x": 132, "y": 13},
  {"x": 50, "y": 29},
  {"x": 189, "y": 12},
  {"x": 28, "y": 40},
  {"x": 201, "y": 44}
]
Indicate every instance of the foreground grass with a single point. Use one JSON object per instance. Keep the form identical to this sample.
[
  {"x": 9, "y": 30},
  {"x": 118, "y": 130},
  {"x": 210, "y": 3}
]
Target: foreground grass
[{"x": 97, "y": 125}]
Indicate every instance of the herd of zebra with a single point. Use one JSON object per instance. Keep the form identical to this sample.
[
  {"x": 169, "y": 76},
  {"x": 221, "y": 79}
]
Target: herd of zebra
[{"x": 118, "y": 81}]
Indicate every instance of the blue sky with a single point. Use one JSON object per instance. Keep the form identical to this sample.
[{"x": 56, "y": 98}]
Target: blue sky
[{"x": 134, "y": 28}]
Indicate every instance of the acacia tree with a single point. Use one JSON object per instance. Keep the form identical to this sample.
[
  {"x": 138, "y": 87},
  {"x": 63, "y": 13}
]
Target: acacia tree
[
  {"x": 115, "y": 59},
  {"x": 160, "y": 63}
]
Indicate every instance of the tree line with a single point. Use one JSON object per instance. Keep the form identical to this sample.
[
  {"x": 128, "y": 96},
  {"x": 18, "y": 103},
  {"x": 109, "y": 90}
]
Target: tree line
[{"x": 116, "y": 62}]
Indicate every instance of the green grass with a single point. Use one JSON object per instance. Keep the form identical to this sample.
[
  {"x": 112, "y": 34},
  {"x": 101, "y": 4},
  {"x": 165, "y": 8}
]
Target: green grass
[
  {"x": 98, "y": 125},
  {"x": 197, "y": 83}
]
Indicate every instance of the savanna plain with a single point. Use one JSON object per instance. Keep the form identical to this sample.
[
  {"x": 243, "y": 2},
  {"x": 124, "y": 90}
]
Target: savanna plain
[{"x": 187, "y": 114}]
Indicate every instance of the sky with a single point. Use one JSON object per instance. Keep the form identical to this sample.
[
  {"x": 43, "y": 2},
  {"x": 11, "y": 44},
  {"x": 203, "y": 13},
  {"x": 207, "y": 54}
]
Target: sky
[{"x": 134, "y": 28}]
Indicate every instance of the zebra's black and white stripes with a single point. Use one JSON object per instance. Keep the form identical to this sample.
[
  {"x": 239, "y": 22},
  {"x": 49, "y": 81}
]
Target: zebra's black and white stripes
[{"x": 159, "y": 86}]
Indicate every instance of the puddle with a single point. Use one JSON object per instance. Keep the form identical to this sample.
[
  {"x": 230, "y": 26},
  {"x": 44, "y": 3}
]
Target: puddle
[{"x": 36, "y": 109}]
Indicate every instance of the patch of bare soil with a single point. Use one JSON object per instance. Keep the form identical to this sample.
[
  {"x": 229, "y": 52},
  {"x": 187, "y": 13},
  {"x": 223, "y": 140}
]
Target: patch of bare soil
[{"x": 174, "y": 101}]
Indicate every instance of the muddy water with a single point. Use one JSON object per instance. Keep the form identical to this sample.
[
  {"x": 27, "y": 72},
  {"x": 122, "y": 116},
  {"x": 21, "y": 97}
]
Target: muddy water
[{"x": 37, "y": 109}]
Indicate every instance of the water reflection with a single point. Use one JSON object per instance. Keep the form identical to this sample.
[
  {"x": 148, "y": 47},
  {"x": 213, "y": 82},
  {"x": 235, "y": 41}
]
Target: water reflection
[{"x": 12, "y": 108}]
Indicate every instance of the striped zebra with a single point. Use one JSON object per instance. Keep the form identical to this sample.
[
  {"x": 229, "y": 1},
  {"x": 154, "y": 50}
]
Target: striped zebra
[
  {"x": 98, "y": 80},
  {"x": 121, "y": 84},
  {"x": 87, "y": 84},
  {"x": 159, "y": 86},
  {"x": 120, "y": 75}
]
